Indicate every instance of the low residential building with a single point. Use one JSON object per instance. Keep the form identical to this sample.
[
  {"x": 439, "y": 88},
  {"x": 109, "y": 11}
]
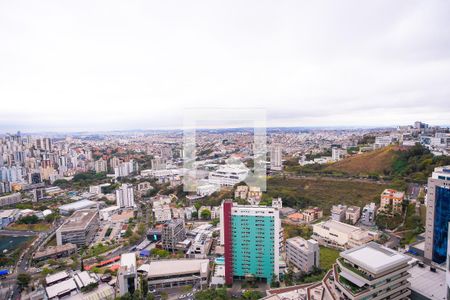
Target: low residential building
[
  {"x": 312, "y": 214},
  {"x": 10, "y": 199},
  {"x": 177, "y": 212},
  {"x": 391, "y": 201},
  {"x": 341, "y": 235},
  {"x": 254, "y": 195},
  {"x": 369, "y": 214},
  {"x": 302, "y": 254},
  {"x": 295, "y": 217},
  {"x": 338, "y": 212},
  {"x": 371, "y": 271},
  {"x": 174, "y": 273},
  {"x": 352, "y": 214},
  {"x": 173, "y": 232},
  {"x": 55, "y": 252},
  {"x": 143, "y": 187},
  {"x": 241, "y": 192},
  {"x": 79, "y": 229}
]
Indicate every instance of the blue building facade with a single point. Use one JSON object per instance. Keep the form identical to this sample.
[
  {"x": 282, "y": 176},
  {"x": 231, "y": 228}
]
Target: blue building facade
[{"x": 441, "y": 219}]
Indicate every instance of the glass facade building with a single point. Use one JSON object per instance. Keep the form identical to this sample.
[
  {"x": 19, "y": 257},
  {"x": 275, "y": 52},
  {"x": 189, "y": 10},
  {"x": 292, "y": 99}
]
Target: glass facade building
[{"x": 441, "y": 219}]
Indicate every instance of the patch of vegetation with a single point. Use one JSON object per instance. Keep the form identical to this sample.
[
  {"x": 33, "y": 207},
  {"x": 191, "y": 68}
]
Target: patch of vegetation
[
  {"x": 387, "y": 221},
  {"x": 417, "y": 163},
  {"x": 413, "y": 226},
  {"x": 32, "y": 219},
  {"x": 374, "y": 163},
  {"x": 328, "y": 257},
  {"x": 97, "y": 250},
  {"x": 33, "y": 227},
  {"x": 217, "y": 294},
  {"x": 413, "y": 164},
  {"x": 160, "y": 252},
  {"x": 291, "y": 230},
  {"x": 323, "y": 192}
]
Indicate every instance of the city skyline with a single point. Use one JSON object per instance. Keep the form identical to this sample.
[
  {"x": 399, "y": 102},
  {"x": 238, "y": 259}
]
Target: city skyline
[{"x": 138, "y": 65}]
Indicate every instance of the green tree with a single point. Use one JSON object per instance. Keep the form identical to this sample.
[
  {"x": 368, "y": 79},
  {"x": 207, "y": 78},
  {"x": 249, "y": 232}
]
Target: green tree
[
  {"x": 251, "y": 295},
  {"x": 23, "y": 280},
  {"x": 205, "y": 214},
  {"x": 216, "y": 294},
  {"x": 33, "y": 219}
]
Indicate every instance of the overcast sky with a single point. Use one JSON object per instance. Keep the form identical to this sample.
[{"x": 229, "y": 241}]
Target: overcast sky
[{"x": 94, "y": 65}]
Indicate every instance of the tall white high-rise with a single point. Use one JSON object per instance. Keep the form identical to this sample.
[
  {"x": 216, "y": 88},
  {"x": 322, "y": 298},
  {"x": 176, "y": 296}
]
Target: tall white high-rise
[
  {"x": 276, "y": 158},
  {"x": 125, "y": 196}
]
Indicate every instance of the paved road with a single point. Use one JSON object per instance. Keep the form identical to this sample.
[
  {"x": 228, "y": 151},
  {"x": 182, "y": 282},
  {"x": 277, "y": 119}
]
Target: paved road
[{"x": 18, "y": 232}]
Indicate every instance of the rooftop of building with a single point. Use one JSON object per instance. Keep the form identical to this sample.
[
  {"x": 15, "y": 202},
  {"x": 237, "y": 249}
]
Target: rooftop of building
[
  {"x": 61, "y": 288},
  {"x": 160, "y": 268},
  {"x": 375, "y": 258},
  {"x": 8, "y": 213},
  {"x": 392, "y": 193},
  {"x": 79, "y": 220},
  {"x": 338, "y": 208},
  {"x": 301, "y": 242},
  {"x": 427, "y": 283},
  {"x": 128, "y": 260},
  {"x": 339, "y": 226},
  {"x": 85, "y": 278},
  {"x": 77, "y": 205},
  {"x": 353, "y": 209},
  {"x": 56, "y": 277}
]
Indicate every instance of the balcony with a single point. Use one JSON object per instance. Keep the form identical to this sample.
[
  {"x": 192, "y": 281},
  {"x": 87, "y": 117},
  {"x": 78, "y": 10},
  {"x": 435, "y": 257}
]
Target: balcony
[{"x": 350, "y": 267}]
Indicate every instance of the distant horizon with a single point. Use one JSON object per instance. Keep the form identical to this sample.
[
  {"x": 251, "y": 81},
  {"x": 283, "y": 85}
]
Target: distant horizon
[{"x": 173, "y": 129}]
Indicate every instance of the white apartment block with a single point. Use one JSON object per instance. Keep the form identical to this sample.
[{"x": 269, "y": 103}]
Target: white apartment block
[
  {"x": 302, "y": 254},
  {"x": 338, "y": 212},
  {"x": 276, "y": 158},
  {"x": 125, "y": 196},
  {"x": 100, "y": 166},
  {"x": 337, "y": 153},
  {"x": 352, "y": 214}
]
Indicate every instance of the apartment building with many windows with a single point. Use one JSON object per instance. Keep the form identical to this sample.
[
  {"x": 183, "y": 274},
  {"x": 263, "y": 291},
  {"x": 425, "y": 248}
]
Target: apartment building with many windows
[{"x": 251, "y": 238}]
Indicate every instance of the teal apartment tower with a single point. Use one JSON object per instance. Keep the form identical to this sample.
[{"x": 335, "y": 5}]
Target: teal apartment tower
[{"x": 251, "y": 238}]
